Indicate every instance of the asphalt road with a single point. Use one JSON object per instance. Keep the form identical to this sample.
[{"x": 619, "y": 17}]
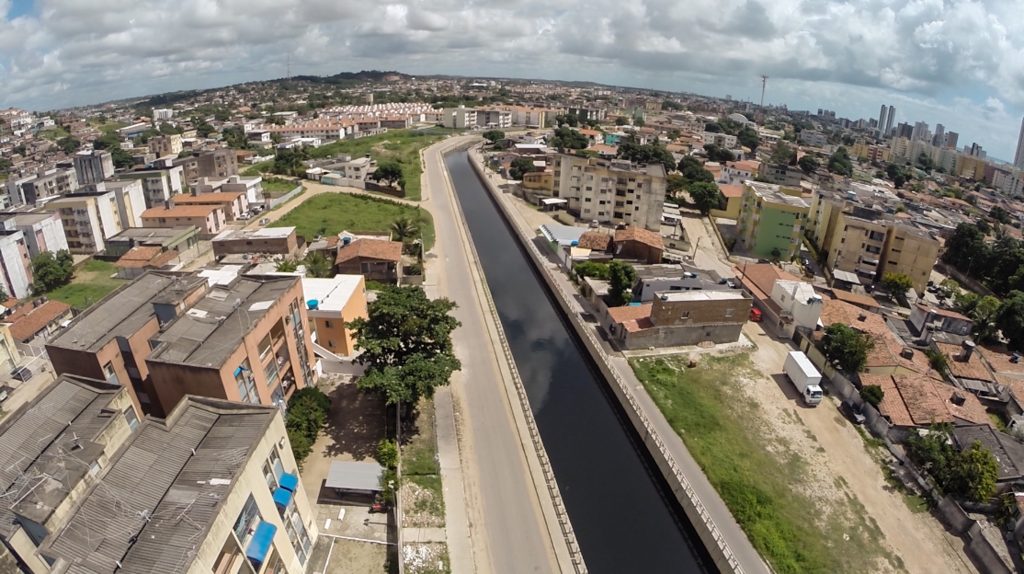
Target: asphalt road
[{"x": 504, "y": 512}]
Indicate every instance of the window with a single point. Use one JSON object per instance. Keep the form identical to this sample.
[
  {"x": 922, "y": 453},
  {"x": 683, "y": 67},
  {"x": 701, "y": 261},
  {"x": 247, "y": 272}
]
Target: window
[
  {"x": 246, "y": 522},
  {"x": 95, "y": 468},
  {"x": 729, "y": 312},
  {"x": 327, "y": 324},
  {"x": 297, "y": 534},
  {"x": 264, "y": 346},
  {"x": 109, "y": 374},
  {"x": 131, "y": 418},
  {"x": 246, "y": 384}
]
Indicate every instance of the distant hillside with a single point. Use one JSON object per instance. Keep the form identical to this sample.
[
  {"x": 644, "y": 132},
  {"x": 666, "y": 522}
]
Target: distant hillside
[{"x": 352, "y": 77}]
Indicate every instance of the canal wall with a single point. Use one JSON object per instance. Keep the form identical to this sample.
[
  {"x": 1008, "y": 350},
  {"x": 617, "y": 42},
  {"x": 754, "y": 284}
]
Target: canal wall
[
  {"x": 556, "y": 517},
  {"x": 699, "y": 517}
]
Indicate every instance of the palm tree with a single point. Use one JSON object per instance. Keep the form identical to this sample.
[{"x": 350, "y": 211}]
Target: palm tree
[
  {"x": 287, "y": 265},
  {"x": 405, "y": 229},
  {"x": 317, "y": 265}
]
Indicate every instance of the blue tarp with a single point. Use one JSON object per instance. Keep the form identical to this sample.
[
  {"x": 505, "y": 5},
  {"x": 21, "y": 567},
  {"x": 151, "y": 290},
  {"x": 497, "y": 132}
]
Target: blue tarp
[
  {"x": 289, "y": 481},
  {"x": 260, "y": 544},
  {"x": 282, "y": 497}
]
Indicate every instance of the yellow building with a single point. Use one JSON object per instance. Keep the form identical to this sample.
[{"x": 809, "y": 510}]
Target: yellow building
[
  {"x": 9, "y": 355},
  {"x": 857, "y": 242},
  {"x": 733, "y": 194},
  {"x": 911, "y": 251},
  {"x": 332, "y": 304},
  {"x": 543, "y": 181}
]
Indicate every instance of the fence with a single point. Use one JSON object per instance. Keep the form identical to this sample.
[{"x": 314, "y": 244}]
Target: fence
[
  {"x": 278, "y": 201},
  {"x": 681, "y": 488}
]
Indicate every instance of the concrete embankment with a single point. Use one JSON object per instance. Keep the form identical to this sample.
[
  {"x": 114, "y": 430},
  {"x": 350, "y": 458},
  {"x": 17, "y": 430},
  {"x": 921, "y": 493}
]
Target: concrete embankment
[{"x": 703, "y": 523}]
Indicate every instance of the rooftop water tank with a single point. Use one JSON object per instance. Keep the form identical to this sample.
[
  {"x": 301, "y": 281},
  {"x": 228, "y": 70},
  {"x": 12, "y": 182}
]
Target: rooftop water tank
[{"x": 312, "y": 304}]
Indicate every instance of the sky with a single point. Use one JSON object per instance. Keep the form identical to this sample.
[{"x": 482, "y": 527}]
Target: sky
[{"x": 955, "y": 62}]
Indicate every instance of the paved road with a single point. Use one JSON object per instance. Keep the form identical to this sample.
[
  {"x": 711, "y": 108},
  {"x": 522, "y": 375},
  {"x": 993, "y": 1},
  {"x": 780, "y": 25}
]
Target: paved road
[{"x": 504, "y": 513}]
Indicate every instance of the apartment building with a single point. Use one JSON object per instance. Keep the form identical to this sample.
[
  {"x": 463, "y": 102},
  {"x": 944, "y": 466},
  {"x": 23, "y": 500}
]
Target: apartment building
[
  {"x": 324, "y": 130},
  {"x": 219, "y": 163},
  {"x": 771, "y": 221},
  {"x": 159, "y": 184},
  {"x": 529, "y": 116},
  {"x": 271, "y": 240},
  {"x": 90, "y": 217},
  {"x": 15, "y": 262},
  {"x": 208, "y": 219},
  {"x": 164, "y": 336},
  {"x": 165, "y": 145},
  {"x": 911, "y": 251},
  {"x": 184, "y": 240},
  {"x": 332, "y": 304},
  {"x": 47, "y": 184},
  {"x": 55, "y": 447},
  {"x": 494, "y": 119},
  {"x": 233, "y": 204},
  {"x": 612, "y": 191},
  {"x": 213, "y": 487},
  {"x": 93, "y": 166},
  {"x": 43, "y": 231},
  {"x": 857, "y": 242},
  {"x": 251, "y": 186},
  {"x": 675, "y": 318},
  {"x": 459, "y": 118}
]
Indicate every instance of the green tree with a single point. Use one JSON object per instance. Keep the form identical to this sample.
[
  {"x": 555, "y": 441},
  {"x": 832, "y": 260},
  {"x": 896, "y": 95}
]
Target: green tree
[
  {"x": 390, "y": 172},
  {"x": 235, "y": 137},
  {"x": 693, "y": 170},
  {"x": 985, "y": 314},
  {"x": 846, "y": 347},
  {"x": 1011, "y": 320},
  {"x": 808, "y": 164},
  {"x": 621, "y": 277},
  {"x": 840, "y": 162},
  {"x": 783, "y": 154},
  {"x": 493, "y": 136},
  {"x": 644, "y": 154},
  {"x": 595, "y": 269},
  {"x": 997, "y": 213},
  {"x": 897, "y": 284},
  {"x": 406, "y": 344},
  {"x": 974, "y": 473},
  {"x": 950, "y": 287},
  {"x": 52, "y": 270},
  {"x": 405, "y": 229},
  {"x": 68, "y": 144},
  {"x": 568, "y": 138},
  {"x": 387, "y": 453},
  {"x": 621, "y": 121},
  {"x": 717, "y": 153},
  {"x": 318, "y": 265},
  {"x": 748, "y": 137},
  {"x": 925, "y": 162},
  {"x": 290, "y": 161},
  {"x": 706, "y": 196},
  {"x": 287, "y": 266},
  {"x": 872, "y": 394},
  {"x": 307, "y": 412},
  {"x": 520, "y": 167}
]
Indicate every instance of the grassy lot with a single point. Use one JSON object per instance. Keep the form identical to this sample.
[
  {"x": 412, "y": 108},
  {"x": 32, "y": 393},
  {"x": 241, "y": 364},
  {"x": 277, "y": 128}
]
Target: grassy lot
[
  {"x": 332, "y": 213},
  {"x": 724, "y": 431},
  {"x": 419, "y": 462},
  {"x": 54, "y": 133},
  {"x": 91, "y": 283},
  {"x": 257, "y": 168},
  {"x": 278, "y": 187}
]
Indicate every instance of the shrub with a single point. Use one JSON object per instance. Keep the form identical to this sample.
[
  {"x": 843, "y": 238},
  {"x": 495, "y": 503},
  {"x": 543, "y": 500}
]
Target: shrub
[
  {"x": 307, "y": 413},
  {"x": 387, "y": 453},
  {"x": 873, "y": 394}
]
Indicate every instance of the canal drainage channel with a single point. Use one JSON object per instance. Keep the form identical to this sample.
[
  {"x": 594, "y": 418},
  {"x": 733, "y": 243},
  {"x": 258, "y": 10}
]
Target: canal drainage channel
[{"x": 624, "y": 514}]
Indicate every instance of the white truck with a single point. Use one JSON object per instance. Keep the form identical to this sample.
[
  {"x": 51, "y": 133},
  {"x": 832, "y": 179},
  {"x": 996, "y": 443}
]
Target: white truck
[{"x": 805, "y": 377}]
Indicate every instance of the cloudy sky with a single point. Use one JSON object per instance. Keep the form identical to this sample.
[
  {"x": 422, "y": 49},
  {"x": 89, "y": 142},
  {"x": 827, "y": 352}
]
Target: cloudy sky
[{"x": 954, "y": 62}]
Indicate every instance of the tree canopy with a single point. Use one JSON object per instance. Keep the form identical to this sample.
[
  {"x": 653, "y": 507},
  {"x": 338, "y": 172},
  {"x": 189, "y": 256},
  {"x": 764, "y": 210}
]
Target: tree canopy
[
  {"x": 846, "y": 347},
  {"x": 693, "y": 170},
  {"x": 643, "y": 154},
  {"x": 782, "y": 154},
  {"x": 521, "y": 166},
  {"x": 568, "y": 138},
  {"x": 718, "y": 153},
  {"x": 897, "y": 284},
  {"x": 406, "y": 344},
  {"x": 808, "y": 164},
  {"x": 970, "y": 473},
  {"x": 52, "y": 270},
  {"x": 307, "y": 412},
  {"x": 68, "y": 144},
  {"x": 493, "y": 136},
  {"x": 748, "y": 137},
  {"x": 1010, "y": 320},
  {"x": 621, "y": 277},
  {"x": 705, "y": 195},
  {"x": 840, "y": 162}
]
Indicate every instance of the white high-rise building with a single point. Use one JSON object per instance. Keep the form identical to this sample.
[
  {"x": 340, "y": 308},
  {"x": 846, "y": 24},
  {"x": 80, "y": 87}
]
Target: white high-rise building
[
  {"x": 920, "y": 131},
  {"x": 1018, "y": 158},
  {"x": 881, "y": 120},
  {"x": 889, "y": 120}
]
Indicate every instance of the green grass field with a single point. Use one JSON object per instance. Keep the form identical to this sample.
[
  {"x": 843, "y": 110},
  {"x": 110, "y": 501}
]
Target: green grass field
[
  {"x": 419, "y": 460},
  {"x": 332, "y": 213},
  {"x": 92, "y": 282},
  {"x": 402, "y": 146},
  {"x": 278, "y": 187},
  {"x": 723, "y": 430}
]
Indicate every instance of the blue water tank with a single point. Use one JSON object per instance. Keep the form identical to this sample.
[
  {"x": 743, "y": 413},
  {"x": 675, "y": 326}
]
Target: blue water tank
[
  {"x": 346, "y": 240},
  {"x": 312, "y": 304},
  {"x": 574, "y": 243}
]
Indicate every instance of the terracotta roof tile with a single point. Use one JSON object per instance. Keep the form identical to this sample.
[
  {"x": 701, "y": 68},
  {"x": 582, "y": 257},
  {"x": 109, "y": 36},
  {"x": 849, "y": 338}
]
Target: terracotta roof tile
[
  {"x": 595, "y": 240},
  {"x": 207, "y": 198},
  {"x": 28, "y": 321},
  {"x": 973, "y": 368},
  {"x": 866, "y": 301},
  {"x": 641, "y": 235},
  {"x": 922, "y": 400},
  {"x": 760, "y": 278},
  {"x": 370, "y": 249},
  {"x": 630, "y": 312},
  {"x": 731, "y": 189}
]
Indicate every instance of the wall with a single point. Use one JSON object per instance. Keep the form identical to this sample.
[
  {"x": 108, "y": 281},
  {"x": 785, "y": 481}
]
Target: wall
[
  {"x": 173, "y": 381},
  {"x": 277, "y": 201},
  {"x": 694, "y": 508},
  {"x": 682, "y": 335},
  {"x": 277, "y": 246}
]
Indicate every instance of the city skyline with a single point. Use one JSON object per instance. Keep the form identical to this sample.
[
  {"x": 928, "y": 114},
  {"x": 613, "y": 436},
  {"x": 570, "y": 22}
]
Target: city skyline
[{"x": 952, "y": 64}]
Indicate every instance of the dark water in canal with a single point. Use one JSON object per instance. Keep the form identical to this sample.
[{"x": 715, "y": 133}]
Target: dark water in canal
[{"x": 625, "y": 517}]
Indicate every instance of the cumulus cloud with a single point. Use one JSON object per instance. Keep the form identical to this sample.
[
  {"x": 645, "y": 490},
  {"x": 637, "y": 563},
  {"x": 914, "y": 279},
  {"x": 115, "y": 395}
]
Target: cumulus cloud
[{"x": 66, "y": 52}]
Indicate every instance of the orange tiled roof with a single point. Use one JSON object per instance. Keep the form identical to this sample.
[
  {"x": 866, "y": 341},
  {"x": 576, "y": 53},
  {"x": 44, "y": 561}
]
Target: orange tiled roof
[
  {"x": 915, "y": 400},
  {"x": 370, "y": 249},
  {"x": 207, "y": 198},
  {"x": 595, "y": 240},
  {"x": 731, "y": 189},
  {"x": 633, "y": 318},
  {"x": 641, "y": 235},
  {"x": 760, "y": 278},
  {"x": 973, "y": 368},
  {"x": 856, "y": 298},
  {"x": 29, "y": 320}
]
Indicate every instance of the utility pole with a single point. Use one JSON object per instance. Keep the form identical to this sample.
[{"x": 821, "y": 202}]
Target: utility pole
[{"x": 764, "y": 82}]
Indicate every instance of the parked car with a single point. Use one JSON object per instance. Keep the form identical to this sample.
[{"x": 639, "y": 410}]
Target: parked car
[
  {"x": 5, "y": 393},
  {"x": 264, "y": 221},
  {"x": 852, "y": 412}
]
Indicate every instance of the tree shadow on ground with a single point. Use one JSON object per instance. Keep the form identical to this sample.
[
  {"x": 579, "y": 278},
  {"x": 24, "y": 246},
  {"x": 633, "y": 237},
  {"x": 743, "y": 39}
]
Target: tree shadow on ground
[{"x": 356, "y": 422}]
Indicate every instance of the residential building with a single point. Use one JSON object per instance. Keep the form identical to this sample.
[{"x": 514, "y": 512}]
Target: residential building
[
  {"x": 785, "y": 175},
  {"x": 459, "y": 118},
  {"x": 881, "y": 120},
  {"x": 90, "y": 217},
  {"x": 216, "y": 486},
  {"x": 919, "y": 401},
  {"x": 162, "y": 114},
  {"x": 165, "y": 145},
  {"x": 676, "y": 318},
  {"x": 43, "y": 231},
  {"x": 31, "y": 323},
  {"x": 639, "y": 244},
  {"x": 653, "y": 279},
  {"x": 770, "y": 222},
  {"x": 733, "y": 194},
  {"x": 219, "y": 164},
  {"x": 55, "y": 447},
  {"x": 858, "y": 242},
  {"x": 164, "y": 336},
  {"x": 719, "y": 139},
  {"x": 15, "y": 262},
  {"x": 583, "y": 113},
  {"x": 158, "y": 185},
  {"x": 44, "y": 185},
  {"x": 740, "y": 171},
  {"x": 208, "y": 219},
  {"x": 813, "y": 138},
  {"x": 1018, "y": 156},
  {"x": 252, "y": 187},
  {"x": 10, "y": 357},
  {"x": 911, "y": 251},
  {"x": 93, "y": 166},
  {"x": 494, "y": 119},
  {"x": 889, "y": 121},
  {"x": 332, "y": 304},
  {"x": 183, "y": 240},
  {"x": 234, "y": 204},
  {"x": 375, "y": 259},
  {"x": 612, "y": 191},
  {"x": 270, "y": 240},
  {"x": 796, "y": 304},
  {"x": 325, "y": 130}
]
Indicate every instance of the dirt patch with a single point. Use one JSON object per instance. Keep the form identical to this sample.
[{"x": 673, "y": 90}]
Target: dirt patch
[
  {"x": 429, "y": 558},
  {"x": 348, "y": 557},
  {"x": 421, "y": 508},
  {"x": 422, "y": 496}
]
